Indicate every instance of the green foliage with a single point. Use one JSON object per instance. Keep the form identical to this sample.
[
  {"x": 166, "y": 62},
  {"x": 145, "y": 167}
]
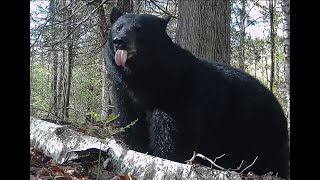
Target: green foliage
[
  {"x": 86, "y": 91},
  {"x": 86, "y": 82},
  {"x": 94, "y": 116},
  {"x": 39, "y": 89},
  {"x": 122, "y": 129},
  {"x": 111, "y": 118},
  {"x": 97, "y": 117}
]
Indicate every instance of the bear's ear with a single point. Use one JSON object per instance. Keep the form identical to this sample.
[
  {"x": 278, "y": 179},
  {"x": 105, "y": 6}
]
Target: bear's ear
[
  {"x": 115, "y": 14},
  {"x": 166, "y": 19}
]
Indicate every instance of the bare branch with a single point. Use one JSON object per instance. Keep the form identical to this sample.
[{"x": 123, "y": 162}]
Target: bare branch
[
  {"x": 254, "y": 3},
  {"x": 249, "y": 165},
  {"x": 78, "y": 24},
  {"x": 213, "y": 162},
  {"x": 41, "y": 27},
  {"x": 239, "y": 167},
  {"x": 64, "y": 20},
  {"x": 252, "y": 22},
  {"x": 154, "y": 3},
  {"x": 206, "y": 158},
  {"x": 48, "y": 112}
]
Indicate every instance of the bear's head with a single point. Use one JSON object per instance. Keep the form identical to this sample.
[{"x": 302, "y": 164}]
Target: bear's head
[{"x": 134, "y": 35}]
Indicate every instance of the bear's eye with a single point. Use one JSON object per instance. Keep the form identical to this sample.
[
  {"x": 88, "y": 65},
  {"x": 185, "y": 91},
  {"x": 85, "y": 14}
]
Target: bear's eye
[{"x": 119, "y": 27}]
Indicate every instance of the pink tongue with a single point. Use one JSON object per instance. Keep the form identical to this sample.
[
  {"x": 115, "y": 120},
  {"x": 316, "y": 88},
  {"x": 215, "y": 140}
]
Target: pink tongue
[{"x": 120, "y": 57}]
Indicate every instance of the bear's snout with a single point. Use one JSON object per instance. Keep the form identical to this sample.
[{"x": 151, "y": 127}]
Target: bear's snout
[{"x": 119, "y": 42}]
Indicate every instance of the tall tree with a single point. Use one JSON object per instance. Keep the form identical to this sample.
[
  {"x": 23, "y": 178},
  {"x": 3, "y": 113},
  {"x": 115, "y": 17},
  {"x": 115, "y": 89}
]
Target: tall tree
[
  {"x": 61, "y": 85},
  {"x": 136, "y": 6},
  {"x": 241, "y": 38},
  {"x": 54, "y": 70},
  {"x": 204, "y": 28},
  {"x": 71, "y": 53},
  {"x": 272, "y": 35},
  {"x": 62, "y": 69},
  {"x": 286, "y": 34},
  {"x": 125, "y": 5},
  {"x": 107, "y": 97},
  {"x": 243, "y": 17}
]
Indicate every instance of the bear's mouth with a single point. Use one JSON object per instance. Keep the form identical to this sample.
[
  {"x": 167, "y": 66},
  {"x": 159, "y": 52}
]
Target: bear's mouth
[{"x": 122, "y": 55}]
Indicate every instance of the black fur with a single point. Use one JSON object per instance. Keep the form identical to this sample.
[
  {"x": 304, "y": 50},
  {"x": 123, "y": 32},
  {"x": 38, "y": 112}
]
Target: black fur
[{"x": 186, "y": 104}]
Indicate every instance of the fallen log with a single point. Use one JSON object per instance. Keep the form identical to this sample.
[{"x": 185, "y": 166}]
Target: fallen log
[{"x": 63, "y": 145}]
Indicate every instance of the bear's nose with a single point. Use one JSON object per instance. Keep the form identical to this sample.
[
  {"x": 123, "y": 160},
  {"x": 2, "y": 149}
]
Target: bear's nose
[{"x": 117, "y": 41}]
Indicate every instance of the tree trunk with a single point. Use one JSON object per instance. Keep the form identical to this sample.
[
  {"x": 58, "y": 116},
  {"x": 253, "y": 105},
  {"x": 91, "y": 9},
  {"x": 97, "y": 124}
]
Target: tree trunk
[
  {"x": 106, "y": 93},
  {"x": 136, "y": 6},
  {"x": 204, "y": 28},
  {"x": 54, "y": 69},
  {"x": 242, "y": 34},
  {"x": 69, "y": 65},
  {"x": 68, "y": 82},
  {"x": 54, "y": 84},
  {"x": 62, "y": 84},
  {"x": 272, "y": 34},
  {"x": 266, "y": 69},
  {"x": 107, "y": 98},
  {"x": 256, "y": 59},
  {"x": 286, "y": 34},
  {"x": 62, "y": 71},
  {"x": 125, "y": 5}
]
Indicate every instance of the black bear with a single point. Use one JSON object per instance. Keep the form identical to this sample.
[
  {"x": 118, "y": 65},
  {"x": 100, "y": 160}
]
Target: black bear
[{"x": 185, "y": 104}]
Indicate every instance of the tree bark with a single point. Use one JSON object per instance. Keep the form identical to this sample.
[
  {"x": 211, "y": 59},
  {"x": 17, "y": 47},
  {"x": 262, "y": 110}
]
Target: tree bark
[
  {"x": 62, "y": 71},
  {"x": 106, "y": 91},
  {"x": 54, "y": 68},
  {"x": 125, "y": 5},
  {"x": 136, "y": 6},
  {"x": 242, "y": 34},
  {"x": 266, "y": 69},
  {"x": 272, "y": 34},
  {"x": 107, "y": 98},
  {"x": 54, "y": 80},
  {"x": 204, "y": 29},
  {"x": 69, "y": 64},
  {"x": 256, "y": 59},
  {"x": 286, "y": 34}
]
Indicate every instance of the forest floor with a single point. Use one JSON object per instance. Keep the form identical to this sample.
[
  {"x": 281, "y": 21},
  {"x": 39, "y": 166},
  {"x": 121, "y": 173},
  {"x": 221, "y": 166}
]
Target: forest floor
[{"x": 45, "y": 168}]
